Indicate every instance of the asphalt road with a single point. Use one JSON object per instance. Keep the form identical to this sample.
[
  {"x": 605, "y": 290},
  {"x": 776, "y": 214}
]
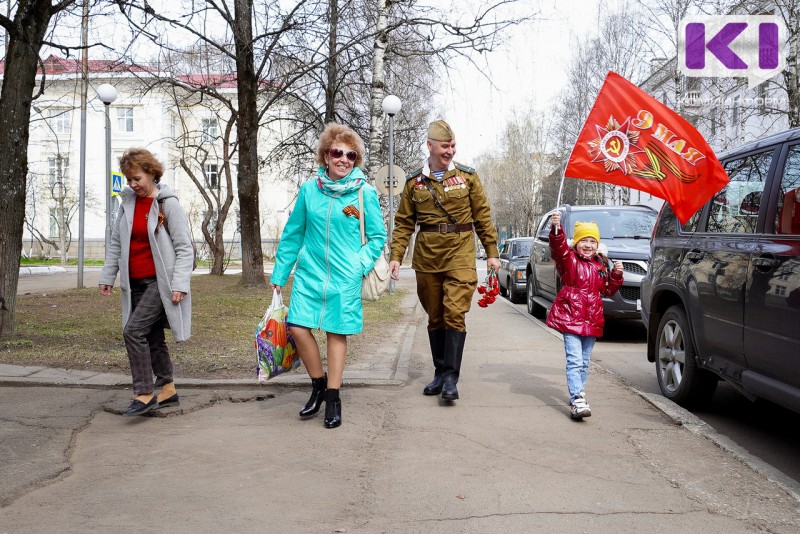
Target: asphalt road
[{"x": 766, "y": 430}]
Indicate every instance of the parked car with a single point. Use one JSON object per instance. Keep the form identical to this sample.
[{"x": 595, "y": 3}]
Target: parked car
[
  {"x": 722, "y": 297},
  {"x": 512, "y": 275},
  {"x": 624, "y": 234},
  {"x": 480, "y": 252}
]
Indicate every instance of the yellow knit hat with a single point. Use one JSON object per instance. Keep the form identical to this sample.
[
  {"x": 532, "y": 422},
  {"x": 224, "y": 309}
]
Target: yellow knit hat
[{"x": 585, "y": 229}]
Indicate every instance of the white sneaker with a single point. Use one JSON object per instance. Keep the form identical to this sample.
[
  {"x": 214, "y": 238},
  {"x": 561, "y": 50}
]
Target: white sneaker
[{"x": 580, "y": 409}]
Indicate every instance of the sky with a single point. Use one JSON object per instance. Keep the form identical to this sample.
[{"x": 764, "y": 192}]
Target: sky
[{"x": 527, "y": 73}]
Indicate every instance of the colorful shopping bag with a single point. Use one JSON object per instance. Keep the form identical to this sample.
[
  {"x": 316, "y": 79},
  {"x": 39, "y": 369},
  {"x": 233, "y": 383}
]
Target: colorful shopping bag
[{"x": 275, "y": 347}]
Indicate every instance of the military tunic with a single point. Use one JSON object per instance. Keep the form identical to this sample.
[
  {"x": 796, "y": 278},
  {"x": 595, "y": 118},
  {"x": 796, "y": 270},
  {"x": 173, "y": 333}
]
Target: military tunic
[{"x": 438, "y": 252}]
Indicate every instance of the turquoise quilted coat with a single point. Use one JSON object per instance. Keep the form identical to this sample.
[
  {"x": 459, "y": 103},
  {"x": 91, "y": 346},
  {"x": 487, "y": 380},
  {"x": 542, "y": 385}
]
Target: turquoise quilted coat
[{"x": 323, "y": 244}]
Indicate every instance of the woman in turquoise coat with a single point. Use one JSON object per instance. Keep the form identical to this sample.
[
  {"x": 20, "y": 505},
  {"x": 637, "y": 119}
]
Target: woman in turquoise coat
[{"x": 322, "y": 242}]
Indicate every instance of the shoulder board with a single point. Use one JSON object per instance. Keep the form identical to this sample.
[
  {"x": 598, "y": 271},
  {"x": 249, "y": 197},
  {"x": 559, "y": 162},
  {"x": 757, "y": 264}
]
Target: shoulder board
[
  {"x": 465, "y": 168},
  {"x": 414, "y": 174}
]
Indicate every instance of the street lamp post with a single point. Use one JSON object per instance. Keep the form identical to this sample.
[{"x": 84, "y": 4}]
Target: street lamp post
[
  {"x": 107, "y": 94},
  {"x": 391, "y": 106}
]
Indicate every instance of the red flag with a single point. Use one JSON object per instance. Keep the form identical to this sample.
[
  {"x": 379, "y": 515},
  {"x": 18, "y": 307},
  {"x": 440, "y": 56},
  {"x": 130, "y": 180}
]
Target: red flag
[{"x": 633, "y": 140}]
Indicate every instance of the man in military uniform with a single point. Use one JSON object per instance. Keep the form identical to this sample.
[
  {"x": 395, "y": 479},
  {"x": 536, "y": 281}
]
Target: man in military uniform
[{"x": 447, "y": 201}]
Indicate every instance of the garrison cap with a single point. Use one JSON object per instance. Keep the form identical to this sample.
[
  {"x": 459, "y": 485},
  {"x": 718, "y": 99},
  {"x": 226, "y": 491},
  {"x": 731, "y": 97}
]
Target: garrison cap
[{"x": 440, "y": 131}]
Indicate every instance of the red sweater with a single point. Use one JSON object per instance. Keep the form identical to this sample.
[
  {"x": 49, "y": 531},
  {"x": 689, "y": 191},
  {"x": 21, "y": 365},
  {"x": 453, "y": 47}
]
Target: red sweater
[{"x": 141, "y": 263}]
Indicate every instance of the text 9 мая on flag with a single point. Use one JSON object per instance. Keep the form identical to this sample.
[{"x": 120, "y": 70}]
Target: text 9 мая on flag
[{"x": 633, "y": 140}]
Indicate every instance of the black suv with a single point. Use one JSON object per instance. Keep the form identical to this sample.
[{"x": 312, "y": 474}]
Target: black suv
[
  {"x": 722, "y": 297},
  {"x": 625, "y": 233}
]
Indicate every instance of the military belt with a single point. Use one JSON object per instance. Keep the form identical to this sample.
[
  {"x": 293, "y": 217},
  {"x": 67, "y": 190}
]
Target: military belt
[{"x": 445, "y": 228}]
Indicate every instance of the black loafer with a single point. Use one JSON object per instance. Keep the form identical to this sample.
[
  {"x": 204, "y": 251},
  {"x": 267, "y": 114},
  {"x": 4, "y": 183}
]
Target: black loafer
[
  {"x": 137, "y": 407},
  {"x": 167, "y": 403}
]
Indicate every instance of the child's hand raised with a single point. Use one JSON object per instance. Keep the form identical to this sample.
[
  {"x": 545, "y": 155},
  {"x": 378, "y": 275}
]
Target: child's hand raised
[
  {"x": 556, "y": 220},
  {"x": 617, "y": 267}
]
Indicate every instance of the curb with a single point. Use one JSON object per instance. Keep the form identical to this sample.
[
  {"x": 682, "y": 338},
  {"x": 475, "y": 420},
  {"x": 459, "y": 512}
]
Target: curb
[
  {"x": 695, "y": 425},
  {"x": 30, "y": 271}
]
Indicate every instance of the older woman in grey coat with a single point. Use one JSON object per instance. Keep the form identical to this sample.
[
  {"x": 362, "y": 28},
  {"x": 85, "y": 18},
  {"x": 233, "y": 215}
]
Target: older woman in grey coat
[{"x": 151, "y": 249}]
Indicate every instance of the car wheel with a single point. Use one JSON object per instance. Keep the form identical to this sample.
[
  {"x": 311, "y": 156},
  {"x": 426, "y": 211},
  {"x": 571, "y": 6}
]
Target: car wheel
[
  {"x": 679, "y": 376},
  {"x": 530, "y": 289},
  {"x": 513, "y": 296},
  {"x": 503, "y": 291}
]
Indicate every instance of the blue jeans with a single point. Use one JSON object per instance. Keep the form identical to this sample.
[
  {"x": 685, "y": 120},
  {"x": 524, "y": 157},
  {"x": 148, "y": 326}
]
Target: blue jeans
[{"x": 579, "y": 353}]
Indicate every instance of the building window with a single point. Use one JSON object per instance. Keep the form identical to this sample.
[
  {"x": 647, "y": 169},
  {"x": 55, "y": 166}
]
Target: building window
[
  {"x": 125, "y": 119},
  {"x": 713, "y": 118},
  {"x": 56, "y": 174},
  {"x": 735, "y": 113},
  {"x": 173, "y": 127},
  {"x": 54, "y": 222},
  {"x": 212, "y": 175},
  {"x": 692, "y": 90},
  {"x": 761, "y": 98},
  {"x": 210, "y": 130},
  {"x": 59, "y": 120}
]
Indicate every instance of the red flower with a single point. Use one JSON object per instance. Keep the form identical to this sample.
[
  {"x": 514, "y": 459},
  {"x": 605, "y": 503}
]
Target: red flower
[{"x": 489, "y": 290}]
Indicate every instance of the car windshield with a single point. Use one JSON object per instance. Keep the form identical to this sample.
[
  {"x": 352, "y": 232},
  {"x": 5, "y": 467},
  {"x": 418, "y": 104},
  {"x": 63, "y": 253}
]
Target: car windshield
[
  {"x": 521, "y": 249},
  {"x": 617, "y": 223}
]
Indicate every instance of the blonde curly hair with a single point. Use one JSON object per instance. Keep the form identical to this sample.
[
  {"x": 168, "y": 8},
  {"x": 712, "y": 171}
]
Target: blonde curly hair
[
  {"x": 144, "y": 159},
  {"x": 335, "y": 132}
]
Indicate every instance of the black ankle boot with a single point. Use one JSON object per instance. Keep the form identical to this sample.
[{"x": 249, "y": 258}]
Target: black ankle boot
[
  {"x": 318, "y": 388},
  {"x": 333, "y": 409}
]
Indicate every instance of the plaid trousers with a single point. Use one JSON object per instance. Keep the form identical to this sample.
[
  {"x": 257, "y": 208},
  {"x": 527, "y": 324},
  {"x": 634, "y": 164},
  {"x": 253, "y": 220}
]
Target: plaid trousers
[{"x": 144, "y": 337}]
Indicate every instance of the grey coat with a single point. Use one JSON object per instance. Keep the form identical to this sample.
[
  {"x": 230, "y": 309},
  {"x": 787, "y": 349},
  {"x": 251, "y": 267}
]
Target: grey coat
[{"x": 172, "y": 253}]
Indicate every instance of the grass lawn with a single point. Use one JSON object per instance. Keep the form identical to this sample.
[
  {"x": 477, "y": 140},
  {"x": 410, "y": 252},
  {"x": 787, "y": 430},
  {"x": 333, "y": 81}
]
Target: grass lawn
[{"x": 81, "y": 329}]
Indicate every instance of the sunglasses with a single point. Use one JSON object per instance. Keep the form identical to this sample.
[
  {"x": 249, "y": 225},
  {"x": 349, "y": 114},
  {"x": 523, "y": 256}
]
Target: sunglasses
[{"x": 337, "y": 153}]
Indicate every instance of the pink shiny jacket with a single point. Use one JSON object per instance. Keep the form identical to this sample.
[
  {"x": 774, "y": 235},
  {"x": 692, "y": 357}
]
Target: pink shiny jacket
[{"x": 578, "y": 308}]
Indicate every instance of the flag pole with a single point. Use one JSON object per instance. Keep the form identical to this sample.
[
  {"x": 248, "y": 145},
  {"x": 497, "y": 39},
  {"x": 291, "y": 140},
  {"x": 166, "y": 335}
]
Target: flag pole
[{"x": 560, "y": 189}]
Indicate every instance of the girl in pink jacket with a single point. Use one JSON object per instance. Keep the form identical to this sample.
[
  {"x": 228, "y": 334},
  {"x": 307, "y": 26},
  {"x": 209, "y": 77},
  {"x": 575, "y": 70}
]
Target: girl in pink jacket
[{"x": 578, "y": 309}]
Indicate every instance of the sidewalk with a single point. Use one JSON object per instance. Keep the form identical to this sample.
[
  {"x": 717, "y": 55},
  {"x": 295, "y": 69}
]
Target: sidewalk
[{"x": 504, "y": 458}]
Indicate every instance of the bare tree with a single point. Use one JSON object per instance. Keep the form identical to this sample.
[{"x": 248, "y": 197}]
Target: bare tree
[
  {"x": 273, "y": 49},
  {"x": 617, "y": 49},
  {"x": 514, "y": 177},
  {"x": 26, "y": 31}
]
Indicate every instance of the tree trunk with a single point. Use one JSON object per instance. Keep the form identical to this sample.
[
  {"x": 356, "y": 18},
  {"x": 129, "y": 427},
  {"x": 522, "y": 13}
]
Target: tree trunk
[
  {"x": 22, "y": 58},
  {"x": 333, "y": 71},
  {"x": 371, "y": 161},
  {"x": 791, "y": 75},
  {"x": 247, "y": 130}
]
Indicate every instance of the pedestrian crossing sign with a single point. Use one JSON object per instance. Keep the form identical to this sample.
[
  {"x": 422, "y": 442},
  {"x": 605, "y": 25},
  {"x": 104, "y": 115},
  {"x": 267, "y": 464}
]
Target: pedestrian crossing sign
[{"x": 116, "y": 184}]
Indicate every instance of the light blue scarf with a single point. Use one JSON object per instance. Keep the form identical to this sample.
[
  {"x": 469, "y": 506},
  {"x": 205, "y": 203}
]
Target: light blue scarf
[{"x": 337, "y": 188}]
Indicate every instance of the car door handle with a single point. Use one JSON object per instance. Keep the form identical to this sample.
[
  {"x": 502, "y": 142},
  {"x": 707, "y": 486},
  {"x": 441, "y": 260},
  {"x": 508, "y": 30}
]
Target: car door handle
[
  {"x": 766, "y": 262},
  {"x": 694, "y": 255}
]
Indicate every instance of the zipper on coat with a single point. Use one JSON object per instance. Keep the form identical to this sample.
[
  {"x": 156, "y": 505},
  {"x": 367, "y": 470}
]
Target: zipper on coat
[{"x": 327, "y": 262}]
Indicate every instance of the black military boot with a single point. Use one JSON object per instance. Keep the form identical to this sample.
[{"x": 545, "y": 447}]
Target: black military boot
[
  {"x": 453, "y": 352},
  {"x": 437, "y": 340},
  {"x": 318, "y": 388}
]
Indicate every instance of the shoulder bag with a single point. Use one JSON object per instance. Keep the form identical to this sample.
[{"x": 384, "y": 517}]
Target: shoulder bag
[{"x": 376, "y": 282}]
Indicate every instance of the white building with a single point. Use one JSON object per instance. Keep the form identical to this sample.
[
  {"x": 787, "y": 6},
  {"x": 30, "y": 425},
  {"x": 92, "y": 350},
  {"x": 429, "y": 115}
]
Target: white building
[
  {"x": 723, "y": 110},
  {"x": 166, "y": 120}
]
